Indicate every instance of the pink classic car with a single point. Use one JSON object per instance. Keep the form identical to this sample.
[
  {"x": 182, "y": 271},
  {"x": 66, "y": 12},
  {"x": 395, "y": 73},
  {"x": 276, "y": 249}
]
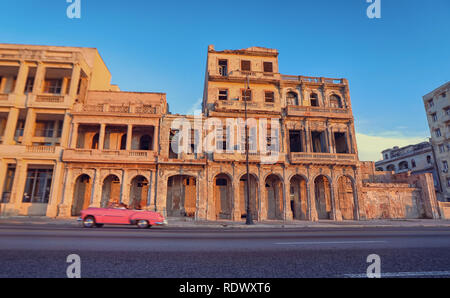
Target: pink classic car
[{"x": 120, "y": 216}]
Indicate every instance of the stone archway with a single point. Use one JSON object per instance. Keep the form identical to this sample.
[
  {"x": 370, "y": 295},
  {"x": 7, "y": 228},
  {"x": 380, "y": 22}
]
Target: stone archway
[
  {"x": 274, "y": 197},
  {"x": 181, "y": 199},
  {"x": 322, "y": 190},
  {"x": 110, "y": 191},
  {"x": 139, "y": 192},
  {"x": 346, "y": 198},
  {"x": 254, "y": 196},
  {"x": 223, "y": 190},
  {"x": 299, "y": 197},
  {"x": 81, "y": 194}
]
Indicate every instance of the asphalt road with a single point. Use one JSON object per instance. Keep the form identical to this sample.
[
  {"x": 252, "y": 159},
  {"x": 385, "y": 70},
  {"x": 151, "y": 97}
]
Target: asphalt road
[{"x": 41, "y": 251}]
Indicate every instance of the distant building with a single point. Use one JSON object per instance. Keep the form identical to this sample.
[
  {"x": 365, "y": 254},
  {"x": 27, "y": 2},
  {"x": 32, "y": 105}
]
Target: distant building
[
  {"x": 416, "y": 158},
  {"x": 437, "y": 106}
]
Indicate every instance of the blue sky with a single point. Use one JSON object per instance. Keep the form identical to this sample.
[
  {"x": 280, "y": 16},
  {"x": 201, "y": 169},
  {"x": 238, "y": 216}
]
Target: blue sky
[{"x": 161, "y": 46}]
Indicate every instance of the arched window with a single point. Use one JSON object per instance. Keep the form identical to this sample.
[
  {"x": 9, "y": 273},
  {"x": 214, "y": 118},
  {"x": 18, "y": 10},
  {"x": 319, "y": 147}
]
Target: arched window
[
  {"x": 391, "y": 168},
  {"x": 314, "y": 98},
  {"x": 292, "y": 98},
  {"x": 380, "y": 169},
  {"x": 335, "y": 101},
  {"x": 403, "y": 165}
]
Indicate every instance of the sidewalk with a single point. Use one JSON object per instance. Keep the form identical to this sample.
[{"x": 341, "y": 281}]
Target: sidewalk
[{"x": 189, "y": 223}]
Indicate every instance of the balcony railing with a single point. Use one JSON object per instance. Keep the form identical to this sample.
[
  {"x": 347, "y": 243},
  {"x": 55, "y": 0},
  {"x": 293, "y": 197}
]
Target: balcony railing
[
  {"x": 251, "y": 105},
  {"x": 322, "y": 156},
  {"x": 308, "y": 111},
  {"x": 303, "y": 79},
  {"x": 122, "y": 109},
  {"x": 41, "y": 149},
  {"x": 107, "y": 155},
  {"x": 50, "y": 98}
]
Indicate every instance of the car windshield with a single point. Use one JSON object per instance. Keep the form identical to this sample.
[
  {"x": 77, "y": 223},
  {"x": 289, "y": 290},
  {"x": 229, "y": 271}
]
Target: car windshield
[{"x": 122, "y": 206}]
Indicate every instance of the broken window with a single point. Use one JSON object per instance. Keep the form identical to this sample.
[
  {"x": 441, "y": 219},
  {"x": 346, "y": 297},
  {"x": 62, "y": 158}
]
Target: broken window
[
  {"x": 269, "y": 96},
  {"x": 340, "y": 140},
  {"x": 268, "y": 67},
  {"x": 245, "y": 65},
  {"x": 172, "y": 137},
  {"x": 223, "y": 94},
  {"x": 223, "y": 68},
  {"x": 292, "y": 98},
  {"x": 295, "y": 141},
  {"x": 319, "y": 141},
  {"x": 314, "y": 98},
  {"x": 53, "y": 86},
  {"x": 246, "y": 94},
  {"x": 335, "y": 101}
]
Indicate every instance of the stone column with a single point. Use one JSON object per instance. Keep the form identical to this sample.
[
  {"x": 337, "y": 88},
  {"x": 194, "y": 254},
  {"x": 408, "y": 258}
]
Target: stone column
[
  {"x": 64, "y": 141},
  {"x": 312, "y": 214},
  {"x": 262, "y": 198},
  {"x": 10, "y": 128},
  {"x": 74, "y": 136},
  {"x": 307, "y": 137},
  {"x": 129, "y": 136},
  {"x": 97, "y": 186},
  {"x": 30, "y": 124},
  {"x": 156, "y": 138},
  {"x": 125, "y": 188},
  {"x": 287, "y": 214},
  {"x": 39, "y": 78},
  {"x": 20, "y": 178},
  {"x": 101, "y": 141},
  {"x": 3, "y": 168},
  {"x": 236, "y": 205},
  {"x": 21, "y": 78},
  {"x": 161, "y": 202},
  {"x": 57, "y": 184},
  {"x": 331, "y": 145},
  {"x": 74, "y": 81},
  {"x": 2, "y": 84}
]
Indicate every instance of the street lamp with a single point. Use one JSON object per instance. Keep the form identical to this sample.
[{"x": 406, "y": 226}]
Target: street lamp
[{"x": 249, "y": 219}]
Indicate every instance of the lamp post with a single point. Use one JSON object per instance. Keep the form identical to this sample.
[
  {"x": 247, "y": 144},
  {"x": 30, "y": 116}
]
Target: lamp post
[{"x": 248, "y": 218}]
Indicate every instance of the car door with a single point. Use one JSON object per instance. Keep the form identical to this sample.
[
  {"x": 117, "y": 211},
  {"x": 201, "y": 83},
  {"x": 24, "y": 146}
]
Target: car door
[{"x": 115, "y": 216}]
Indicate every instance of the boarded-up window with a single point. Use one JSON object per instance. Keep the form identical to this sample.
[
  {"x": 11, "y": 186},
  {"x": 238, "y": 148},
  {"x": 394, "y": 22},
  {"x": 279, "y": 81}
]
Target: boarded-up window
[
  {"x": 245, "y": 65},
  {"x": 269, "y": 96},
  {"x": 268, "y": 67},
  {"x": 246, "y": 94}
]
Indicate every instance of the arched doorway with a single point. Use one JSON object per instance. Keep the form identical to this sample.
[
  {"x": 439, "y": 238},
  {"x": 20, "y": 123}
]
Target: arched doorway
[
  {"x": 110, "y": 191},
  {"x": 223, "y": 196},
  {"x": 81, "y": 194},
  {"x": 299, "y": 197},
  {"x": 95, "y": 141},
  {"x": 346, "y": 198},
  {"x": 274, "y": 197},
  {"x": 181, "y": 196},
  {"x": 254, "y": 194},
  {"x": 322, "y": 188},
  {"x": 139, "y": 193}
]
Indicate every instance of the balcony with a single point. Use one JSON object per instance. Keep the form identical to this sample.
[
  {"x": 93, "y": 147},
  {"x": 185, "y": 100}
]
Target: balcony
[
  {"x": 41, "y": 152},
  {"x": 50, "y": 98},
  {"x": 320, "y": 158},
  {"x": 252, "y": 157},
  {"x": 185, "y": 158},
  {"x": 307, "y": 111},
  {"x": 303, "y": 79},
  {"x": 109, "y": 156},
  {"x": 237, "y": 105},
  {"x": 132, "y": 109}
]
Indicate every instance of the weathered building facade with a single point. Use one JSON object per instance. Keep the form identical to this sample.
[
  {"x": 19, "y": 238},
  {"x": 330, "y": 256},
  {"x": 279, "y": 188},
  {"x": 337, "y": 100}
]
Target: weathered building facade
[{"x": 303, "y": 162}]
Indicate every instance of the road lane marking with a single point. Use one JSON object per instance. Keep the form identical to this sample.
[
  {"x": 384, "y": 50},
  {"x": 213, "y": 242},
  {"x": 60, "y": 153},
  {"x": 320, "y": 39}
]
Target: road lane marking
[
  {"x": 403, "y": 274},
  {"x": 328, "y": 242}
]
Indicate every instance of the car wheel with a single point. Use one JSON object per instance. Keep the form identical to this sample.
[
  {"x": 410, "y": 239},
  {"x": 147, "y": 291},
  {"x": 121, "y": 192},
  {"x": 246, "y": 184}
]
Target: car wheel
[
  {"x": 89, "y": 222},
  {"x": 143, "y": 224}
]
